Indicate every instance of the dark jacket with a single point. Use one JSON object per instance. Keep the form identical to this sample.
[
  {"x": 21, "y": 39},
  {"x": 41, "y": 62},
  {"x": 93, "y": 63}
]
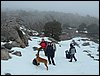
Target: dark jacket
[
  {"x": 49, "y": 51},
  {"x": 72, "y": 50}
]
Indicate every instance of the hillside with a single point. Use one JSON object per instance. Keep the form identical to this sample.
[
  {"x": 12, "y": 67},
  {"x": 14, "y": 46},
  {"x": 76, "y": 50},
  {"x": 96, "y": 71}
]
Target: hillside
[
  {"x": 84, "y": 66},
  {"x": 37, "y": 19}
]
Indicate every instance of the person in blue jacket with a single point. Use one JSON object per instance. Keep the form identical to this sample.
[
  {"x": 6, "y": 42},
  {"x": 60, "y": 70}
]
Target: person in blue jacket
[{"x": 50, "y": 53}]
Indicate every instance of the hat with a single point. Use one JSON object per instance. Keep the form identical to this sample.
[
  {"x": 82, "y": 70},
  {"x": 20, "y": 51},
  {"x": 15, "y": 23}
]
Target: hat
[
  {"x": 71, "y": 45},
  {"x": 42, "y": 39}
]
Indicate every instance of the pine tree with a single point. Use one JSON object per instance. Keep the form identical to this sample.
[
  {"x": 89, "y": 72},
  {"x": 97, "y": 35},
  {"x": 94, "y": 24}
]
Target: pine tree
[{"x": 53, "y": 29}]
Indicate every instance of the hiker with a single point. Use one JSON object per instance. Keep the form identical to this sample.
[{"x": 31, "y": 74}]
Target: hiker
[
  {"x": 43, "y": 45},
  {"x": 72, "y": 52},
  {"x": 74, "y": 43},
  {"x": 50, "y": 53}
]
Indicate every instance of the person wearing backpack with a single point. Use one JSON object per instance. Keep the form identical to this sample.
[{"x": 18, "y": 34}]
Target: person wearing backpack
[
  {"x": 54, "y": 45},
  {"x": 50, "y": 53},
  {"x": 67, "y": 54},
  {"x": 72, "y": 52}
]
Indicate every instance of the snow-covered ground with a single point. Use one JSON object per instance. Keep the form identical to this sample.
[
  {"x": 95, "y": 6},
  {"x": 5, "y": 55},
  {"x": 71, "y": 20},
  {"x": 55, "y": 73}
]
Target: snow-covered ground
[{"x": 23, "y": 65}]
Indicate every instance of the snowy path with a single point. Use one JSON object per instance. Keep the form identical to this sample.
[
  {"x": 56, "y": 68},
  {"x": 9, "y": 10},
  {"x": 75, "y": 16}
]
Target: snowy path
[{"x": 23, "y": 65}]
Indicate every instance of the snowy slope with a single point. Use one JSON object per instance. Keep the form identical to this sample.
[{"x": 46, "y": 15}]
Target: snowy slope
[{"x": 23, "y": 65}]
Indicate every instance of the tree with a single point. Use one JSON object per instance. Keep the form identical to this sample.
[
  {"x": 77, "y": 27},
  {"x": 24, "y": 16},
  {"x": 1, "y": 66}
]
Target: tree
[
  {"x": 66, "y": 26},
  {"x": 82, "y": 27},
  {"x": 53, "y": 29},
  {"x": 93, "y": 29}
]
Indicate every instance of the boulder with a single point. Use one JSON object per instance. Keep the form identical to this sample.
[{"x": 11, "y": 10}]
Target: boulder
[
  {"x": 3, "y": 39},
  {"x": 8, "y": 46},
  {"x": 86, "y": 51},
  {"x": 15, "y": 44},
  {"x": 86, "y": 44},
  {"x": 7, "y": 74},
  {"x": 2, "y": 47},
  {"x": 10, "y": 51},
  {"x": 18, "y": 40},
  {"x": 13, "y": 33},
  {"x": 17, "y": 53},
  {"x": 25, "y": 40},
  {"x": 5, "y": 54}
]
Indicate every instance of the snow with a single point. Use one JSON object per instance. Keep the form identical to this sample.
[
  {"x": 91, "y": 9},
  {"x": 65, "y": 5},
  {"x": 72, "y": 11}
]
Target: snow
[
  {"x": 23, "y": 65},
  {"x": 3, "y": 43}
]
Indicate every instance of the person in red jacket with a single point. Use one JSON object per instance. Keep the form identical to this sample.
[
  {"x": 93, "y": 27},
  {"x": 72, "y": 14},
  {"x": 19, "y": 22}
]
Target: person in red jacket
[{"x": 43, "y": 45}]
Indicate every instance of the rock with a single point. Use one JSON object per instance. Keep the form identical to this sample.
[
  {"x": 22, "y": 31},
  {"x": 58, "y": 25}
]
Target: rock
[
  {"x": 86, "y": 51},
  {"x": 18, "y": 40},
  {"x": 85, "y": 39},
  {"x": 97, "y": 54},
  {"x": 96, "y": 59},
  {"x": 86, "y": 44},
  {"x": 25, "y": 40},
  {"x": 3, "y": 39},
  {"x": 7, "y": 74},
  {"x": 15, "y": 44},
  {"x": 8, "y": 46},
  {"x": 17, "y": 53},
  {"x": 10, "y": 51},
  {"x": 90, "y": 55},
  {"x": 2, "y": 47},
  {"x": 13, "y": 33},
  {"x": 5, "y": 54}
]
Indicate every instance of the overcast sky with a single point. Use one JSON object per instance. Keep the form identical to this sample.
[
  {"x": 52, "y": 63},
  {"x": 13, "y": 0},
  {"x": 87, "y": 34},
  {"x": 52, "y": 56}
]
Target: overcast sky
[{"x": 81, "y": 7}]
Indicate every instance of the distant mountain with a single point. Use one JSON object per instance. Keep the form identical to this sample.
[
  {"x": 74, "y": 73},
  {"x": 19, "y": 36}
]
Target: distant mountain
[{"x": 37, "y": 19}]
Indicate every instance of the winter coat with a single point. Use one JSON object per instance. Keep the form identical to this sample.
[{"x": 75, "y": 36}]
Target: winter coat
[
  {"x": 43, "y": 44},
  {"x": 54, "y": 46},
  {"x": 49, "y": 51},
  {"x": 72, "y": 50}
]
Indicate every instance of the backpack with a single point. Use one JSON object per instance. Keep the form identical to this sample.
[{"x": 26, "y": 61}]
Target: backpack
[
  {"x": 35, "y": 62},
  {"x": 54, "y": 46},
  {"x": 35, "y": 48},
  {"x": 67, "y": 54}
]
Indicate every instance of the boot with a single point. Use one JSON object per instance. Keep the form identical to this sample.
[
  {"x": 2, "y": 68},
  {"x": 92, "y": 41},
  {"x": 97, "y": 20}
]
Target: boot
[
  {"x": 70, "y": 61},
  {"x": 54, "y": 64},
  {"x": 75, "y": 60}
]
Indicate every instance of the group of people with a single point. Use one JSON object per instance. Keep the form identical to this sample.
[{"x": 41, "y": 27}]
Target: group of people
[{"x": 49, "y": 49}]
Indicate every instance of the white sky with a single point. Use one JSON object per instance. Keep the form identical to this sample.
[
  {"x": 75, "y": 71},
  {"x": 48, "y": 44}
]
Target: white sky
[{"x": 81, "y": 7}]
